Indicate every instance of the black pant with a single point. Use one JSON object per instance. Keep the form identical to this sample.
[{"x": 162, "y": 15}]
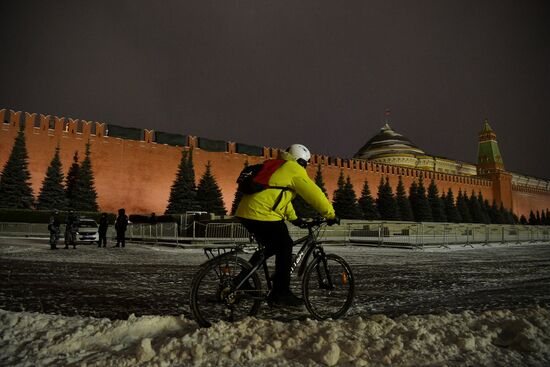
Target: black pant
[
  {"x": 276, "y": 240},
  {"x": 102, "y": 239},
  {"x": 120, "y": 239}
]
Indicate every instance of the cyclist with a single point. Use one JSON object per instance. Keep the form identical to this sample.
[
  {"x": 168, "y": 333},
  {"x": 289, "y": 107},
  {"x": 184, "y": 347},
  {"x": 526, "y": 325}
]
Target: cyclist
[{"x": 264, "y": 214}]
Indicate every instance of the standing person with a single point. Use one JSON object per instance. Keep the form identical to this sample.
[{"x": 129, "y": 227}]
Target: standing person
[
  {"x": 71, "y": 229},
  {"x": 264, "y": 213},
  {"x": 103, "y": 225},
  {"x": 54, "y": 227},
  {"x": 120, "y": 225}
]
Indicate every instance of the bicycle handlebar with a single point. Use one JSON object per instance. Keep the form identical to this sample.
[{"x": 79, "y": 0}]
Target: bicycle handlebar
[{"x": 314, "y": 222}]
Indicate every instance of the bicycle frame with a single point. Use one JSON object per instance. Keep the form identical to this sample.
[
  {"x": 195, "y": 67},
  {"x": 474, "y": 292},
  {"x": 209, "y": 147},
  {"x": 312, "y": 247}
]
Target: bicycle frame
[
  {"x": 310, "y": 244},
  {"x": 302, "y": 257}
]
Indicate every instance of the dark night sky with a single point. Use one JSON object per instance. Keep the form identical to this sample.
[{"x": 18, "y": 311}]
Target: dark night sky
[{"x": 278, "y": 72}]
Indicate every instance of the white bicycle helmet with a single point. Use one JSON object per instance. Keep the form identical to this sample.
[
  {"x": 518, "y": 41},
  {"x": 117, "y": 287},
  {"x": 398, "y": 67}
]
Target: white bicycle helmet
[{"x": 300, "y": 153}]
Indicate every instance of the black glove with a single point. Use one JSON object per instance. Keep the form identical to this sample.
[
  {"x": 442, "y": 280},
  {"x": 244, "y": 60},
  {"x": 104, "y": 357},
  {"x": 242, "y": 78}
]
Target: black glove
[
  {"x": 299, "y": 222},
  {"x": 333, "y": 221}
]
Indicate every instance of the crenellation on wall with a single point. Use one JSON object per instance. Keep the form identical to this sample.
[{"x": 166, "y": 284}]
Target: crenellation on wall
[
  {"x": 86, "y": 128},
  {"x": 28, "y": 121},
  {"x": 15, "y": 118},
  {"x": 148, "y": 136},
  {"x": 59, "y": 124},
  {"x": 530, "y": 189},
  {"x": 192, "y": 141},
  {"x": 100, "y": 129},
  {"x": 45, "y": 124},
  {"x": 71, "y": 127}
]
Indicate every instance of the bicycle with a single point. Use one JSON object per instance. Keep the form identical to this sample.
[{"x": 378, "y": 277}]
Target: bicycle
[{"x": 220, "y": 292}]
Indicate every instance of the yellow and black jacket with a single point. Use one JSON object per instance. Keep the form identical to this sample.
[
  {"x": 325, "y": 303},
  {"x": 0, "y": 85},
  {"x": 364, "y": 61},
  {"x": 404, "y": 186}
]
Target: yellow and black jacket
[{"x": 260, "y": 206}]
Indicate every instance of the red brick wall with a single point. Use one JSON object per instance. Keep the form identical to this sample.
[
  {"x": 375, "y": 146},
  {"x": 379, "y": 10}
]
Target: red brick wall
[
  {"x": 137, "y": 175},
  {"x": 526, "y": 200}
]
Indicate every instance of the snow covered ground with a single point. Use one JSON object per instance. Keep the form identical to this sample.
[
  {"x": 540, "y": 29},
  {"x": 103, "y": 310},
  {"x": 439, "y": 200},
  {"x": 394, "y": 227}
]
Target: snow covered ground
[
  {"x": 492, "y": 338},
  {"x": 483, "y": 306}
]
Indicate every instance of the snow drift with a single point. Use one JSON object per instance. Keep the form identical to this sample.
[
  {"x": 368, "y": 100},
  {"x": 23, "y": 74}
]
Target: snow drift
[{"x": 505, "y": 338}]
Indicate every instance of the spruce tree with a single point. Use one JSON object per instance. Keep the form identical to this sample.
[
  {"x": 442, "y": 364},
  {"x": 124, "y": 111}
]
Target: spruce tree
[
  {"x": 532, "y": 218},
  {"x": 209, "y": 195},
  {"x": 495, "y": 213},
  {"x": 475, "y": 209},
  {"x": 514, "y": 218},
  {"x": 403, "y": 203},
  {"x": 542, "y": 218},
  {"x": 52, "y": 193},
  {"x": 462, "y": 207},
  {"x": 238, "y": 196},
  {"x": 84, "y": 194},
  {"x": 424, "y": 210},
  {"x": 354, "y": 211},
  {"x": 70, "y": 182},
  {"x": 183, "y": 193},
  {"x": 523, "y": 220},
  {"x": 485, "y": 208},
  {"x": 508, "y": 217},
  {"x": 451, "y": 210},
  {"x": 538, "y": 218},
  {"x": 436, "y": 204},
  {"x": 345, "y": 204},
  {"x": 319, "y": 180},
  {"x": 15, "y": 188},
  {"x": 338, "y": 197},
  {"x": 367, "y": 204},
  {"x": 385, "y": 202},
  {"x": 413, "y": 199}
]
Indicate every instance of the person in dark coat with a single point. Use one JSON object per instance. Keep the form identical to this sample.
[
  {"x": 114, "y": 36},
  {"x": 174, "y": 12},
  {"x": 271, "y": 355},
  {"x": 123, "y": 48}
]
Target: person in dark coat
[
  {"x": 54, "y": 227},
  {"x": 71, "y": 229},
  {"x": 120, "y": 226},
  {"x": 103, "y": 225}
]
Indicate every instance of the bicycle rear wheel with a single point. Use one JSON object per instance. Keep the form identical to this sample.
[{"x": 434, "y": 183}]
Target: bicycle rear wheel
[
  {"x": 213, "y": 297},
  {"x": 328, "y": 287}
]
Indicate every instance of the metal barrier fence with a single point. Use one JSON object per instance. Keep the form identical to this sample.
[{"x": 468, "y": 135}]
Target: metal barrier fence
[
  {"x": 375, "y": 233},
  {"x": 153, "y": 232},
  {"x": 406, "y": 234},
  {"x": 25, "y": 229},
  {"x": 196, "y": 231}
]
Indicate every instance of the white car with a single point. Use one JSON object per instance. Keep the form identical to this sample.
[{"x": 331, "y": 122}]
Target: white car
[{"x": 87, "y": 231}]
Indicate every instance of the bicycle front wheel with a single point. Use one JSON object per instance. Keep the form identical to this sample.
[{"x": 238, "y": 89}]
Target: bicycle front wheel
[
  {"x": 328, "y": 287},
  {"x": 213, "y": 296}
]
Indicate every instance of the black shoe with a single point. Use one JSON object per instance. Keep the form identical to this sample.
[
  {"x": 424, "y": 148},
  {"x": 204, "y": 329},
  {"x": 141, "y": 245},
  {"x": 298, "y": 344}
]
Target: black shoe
[{"x": 287, "y": 299}]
